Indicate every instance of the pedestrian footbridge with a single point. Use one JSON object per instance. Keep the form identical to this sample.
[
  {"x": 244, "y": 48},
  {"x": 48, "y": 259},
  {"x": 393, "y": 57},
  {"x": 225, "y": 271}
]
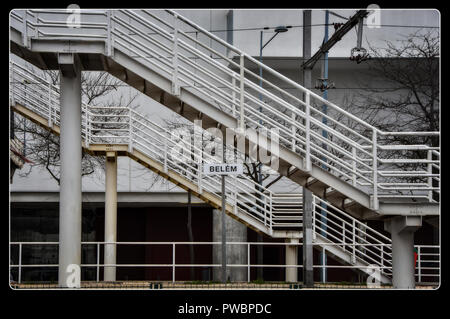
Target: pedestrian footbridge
[{"x": 354, "y": 170}]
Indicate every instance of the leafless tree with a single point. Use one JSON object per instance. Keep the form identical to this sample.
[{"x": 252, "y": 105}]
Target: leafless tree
[{"x": 42, "y": 147}]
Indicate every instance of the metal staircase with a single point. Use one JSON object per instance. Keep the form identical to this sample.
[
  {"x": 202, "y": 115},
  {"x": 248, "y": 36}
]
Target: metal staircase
[
  {"x": 200, "y": 76},
  {"x": 130, "y": 133}
]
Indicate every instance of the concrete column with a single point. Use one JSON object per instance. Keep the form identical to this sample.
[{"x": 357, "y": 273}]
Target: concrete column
[
  {"x": 291, "y": 259},
  {"x": 402, "y": 230},
  {"x": 110, "y": 215},
  {"x": 308, "y": 271},
  {"x": 236, "y": 254},
  {"x": 70, "y": 176}
]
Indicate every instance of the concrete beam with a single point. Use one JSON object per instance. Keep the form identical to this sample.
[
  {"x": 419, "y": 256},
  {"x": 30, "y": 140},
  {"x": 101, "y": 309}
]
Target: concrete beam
[{"x": 68, "y": 65}]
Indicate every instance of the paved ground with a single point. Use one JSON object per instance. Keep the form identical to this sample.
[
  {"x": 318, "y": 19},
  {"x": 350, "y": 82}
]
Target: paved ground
[{"x": 138, "y": 285}]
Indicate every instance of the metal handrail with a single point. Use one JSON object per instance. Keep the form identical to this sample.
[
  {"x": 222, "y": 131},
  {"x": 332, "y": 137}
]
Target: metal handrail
[
  {"x": 428, "y": 255},
  {"x": 148, "y": 34}
]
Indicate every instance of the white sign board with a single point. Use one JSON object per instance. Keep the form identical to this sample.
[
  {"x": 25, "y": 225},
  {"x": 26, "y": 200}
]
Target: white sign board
[{"x": 222, "y": 169}]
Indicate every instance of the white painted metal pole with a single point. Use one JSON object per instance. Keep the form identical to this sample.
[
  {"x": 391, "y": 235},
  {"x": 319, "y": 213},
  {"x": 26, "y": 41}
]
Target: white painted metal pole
[
  {"x": 110, "y": 216},
  {"x": 70, "y": 180},
  {"x": 173, "y": 262},
  {"x": 241, "y": 106},
  {"x": 20, "y": 264}
]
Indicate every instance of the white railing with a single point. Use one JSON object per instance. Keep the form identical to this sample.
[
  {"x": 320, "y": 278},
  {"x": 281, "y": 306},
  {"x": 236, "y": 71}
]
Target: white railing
[
  {"x": 197, "y": 60},
  {"x": 123, "y": 125},
  {"x": 427, "y": 266},
  {"x": 361, "y": 242}
]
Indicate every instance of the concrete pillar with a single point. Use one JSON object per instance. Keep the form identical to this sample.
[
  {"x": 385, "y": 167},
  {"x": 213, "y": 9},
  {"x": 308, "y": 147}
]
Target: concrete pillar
[
  {"x": 402, "y": 230},
  {"x": 236, "y": 254},
  {"x": 70, "y": 175},
  {"x": 308, "y": 271},
  {"x": 291, "y": 259},
  {"x": 110, "y": 215}
]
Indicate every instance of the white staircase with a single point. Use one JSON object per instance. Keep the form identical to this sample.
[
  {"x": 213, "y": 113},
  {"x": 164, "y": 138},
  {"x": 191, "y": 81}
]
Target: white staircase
[
  {"x": 276, "y": 215},
  {"x": 200, "y": 76}
]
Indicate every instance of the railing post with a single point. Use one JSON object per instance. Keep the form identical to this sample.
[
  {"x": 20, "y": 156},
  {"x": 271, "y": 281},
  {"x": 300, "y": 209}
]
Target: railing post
[
  {"x": 375, "y": 170},
  {"x": 86, "y": 126},
  {"x": 165, "y": 155},
  {"x": 130, "y": 131},
  {"x": 265, "y": 211},
  {"x": 242, "y": 79},
  {"x": 13, "y": 102},
  {"x": 270, "y": 216},
  {"x": 175, "y": 83},
  {"x": 307, "y": 133},
  {"x": 109, "y": 14},
  {"x": 235, "y": 194},
  {"x": 50, "y": 120},
  {"x": 25, "y": 29},
  {"x": 353, "y": 166},
  {"x": 248, "y": 262},
  {"x": 323, "y": 265},
  {"x": 293, "y": 118},
  {"x": 430, "y": 171},
  {"x": 233, "y": 96},
  {"x": 382, "y": 258},
  {"x": 98, "y": 262},
  {"x": 173, "y": 262},
  {"x": 20, "y": 264},
  {"x": 36, "y": 20},
  {"x": 313, "y": 217},
  {"x": 419, "y": 270},
  {"x": 354, "y": 241},
  {"x": 343, "y": 234}
]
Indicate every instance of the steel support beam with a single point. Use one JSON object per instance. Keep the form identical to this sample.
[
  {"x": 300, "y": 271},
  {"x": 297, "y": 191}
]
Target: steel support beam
[
  {"x": 110, "y": 215},
  {"x": 402, "y": 234},
  {"x": 70, "y": 178},
  {"x": 308, "y": 271},
  {"x": 308, "y": 274}
]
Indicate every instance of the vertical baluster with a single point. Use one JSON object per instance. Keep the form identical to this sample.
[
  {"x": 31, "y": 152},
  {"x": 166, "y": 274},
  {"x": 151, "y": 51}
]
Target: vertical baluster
[
  {"x": 130, "y": 131},
  {"x": 323, "y": 265},
  {"x": 175, "y": 84},
  {"x": 165, "y": 154},
  {"x": 173, "y": 262},
  {"x": 430, "y": 179},
  {"x": 86, "y": 125},
  {"x": 375, "y": 170},
  {"x": 293, "y": 118},
  {"x": 419, "y": 268},
  {"x": 25, "y": 29},
  {"x": 241, "y": 79},
  {"x": 98, "y": 262},
  {"x": 307, "y": 133},
  {"x": 354, "y": 241},
  {"x": 271, "y": 213},
  {"x": 12, "y": 85},
  {"x": 354, "y": 166},
  {"x": 20, "y": 263},
  {"x": 50, "y": 120},
  {"x": 248, "y": 262},
  {"x": 233, "y": 96},
  {"x": 109, "y": 14}
]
